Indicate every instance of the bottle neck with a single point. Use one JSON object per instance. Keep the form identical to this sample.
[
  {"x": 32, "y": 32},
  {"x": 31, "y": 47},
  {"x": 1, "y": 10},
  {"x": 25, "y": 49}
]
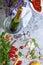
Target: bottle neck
[{"x": 18, "y": 13}]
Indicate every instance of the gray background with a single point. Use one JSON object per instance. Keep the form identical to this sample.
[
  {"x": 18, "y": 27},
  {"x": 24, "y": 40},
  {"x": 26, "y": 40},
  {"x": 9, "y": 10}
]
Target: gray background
[{"x": 35, "y": 26}]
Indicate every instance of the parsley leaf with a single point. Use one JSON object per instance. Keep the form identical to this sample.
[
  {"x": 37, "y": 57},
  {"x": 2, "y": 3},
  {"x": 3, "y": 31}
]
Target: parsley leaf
[{"x": 20, "y": 54}]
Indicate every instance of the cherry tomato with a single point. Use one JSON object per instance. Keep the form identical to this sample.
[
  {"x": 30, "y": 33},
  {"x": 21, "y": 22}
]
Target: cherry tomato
[
  {"x": 16, "y": 56},
  {"x": 19, "y": 62},
  {"x": 16, "y": 49},
  {"x": 12, "y": 52},
  {"x": 13, "y": 47},
  {"x": 11, "y": 56},
  {"x": 13, "y": 59},
  {"x": 21, "y": 47}
]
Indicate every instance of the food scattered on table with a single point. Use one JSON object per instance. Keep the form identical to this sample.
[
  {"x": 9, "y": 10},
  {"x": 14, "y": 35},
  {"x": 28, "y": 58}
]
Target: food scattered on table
[
  {"x": 32, "y": 53},
  {"x": 14, "y": 53},
  {"x": 30, "y": 45},
  {"x": 18, "y": 62}
]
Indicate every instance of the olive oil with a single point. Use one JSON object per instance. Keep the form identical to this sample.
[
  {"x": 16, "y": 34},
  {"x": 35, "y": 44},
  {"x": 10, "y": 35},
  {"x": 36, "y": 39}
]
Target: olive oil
[{"x": 16, "y": 20}]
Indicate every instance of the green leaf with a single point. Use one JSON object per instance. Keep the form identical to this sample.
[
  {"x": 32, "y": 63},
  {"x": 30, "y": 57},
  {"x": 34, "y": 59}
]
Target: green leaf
[
  {"x": 20, "y": 54},
  {"x": 32, "y": 52},
  {"x": 34, "y": 57},
  {"x": 33, "y": 40},
  {"x": 3, "y": 33},
  {"x": 40, "y": 53},
  {"x": 36, "y": 45}
]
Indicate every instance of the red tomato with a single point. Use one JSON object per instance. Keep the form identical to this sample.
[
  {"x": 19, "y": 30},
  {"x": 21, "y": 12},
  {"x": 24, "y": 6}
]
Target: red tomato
[
  {"x": 13, "y": 47},
  {"x": 13, "y": 52},
  {"x": 21, "y": 47},
  {"x": 16, "y": 56},
  {"x": 19, "y": 63},
  {"x": 13, "y": 59},
  {"x": 16, "y": 49},
  {"x": 11, "y": 56}
]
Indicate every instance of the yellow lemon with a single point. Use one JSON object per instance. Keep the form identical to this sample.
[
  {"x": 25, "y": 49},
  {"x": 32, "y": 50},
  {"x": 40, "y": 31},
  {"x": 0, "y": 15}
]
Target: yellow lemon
[{"x": 34, "y": 63}]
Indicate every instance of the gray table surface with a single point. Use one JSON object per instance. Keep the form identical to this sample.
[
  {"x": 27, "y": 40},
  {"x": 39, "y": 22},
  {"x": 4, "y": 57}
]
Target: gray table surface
[{"x": 35, "y": 26}]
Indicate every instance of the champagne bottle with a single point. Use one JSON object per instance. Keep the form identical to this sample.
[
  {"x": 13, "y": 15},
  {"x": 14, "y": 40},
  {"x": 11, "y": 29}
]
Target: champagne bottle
[{"x": 16, "y": 20}]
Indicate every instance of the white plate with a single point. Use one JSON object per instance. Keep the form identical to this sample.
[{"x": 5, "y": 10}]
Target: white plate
[{"x": 36, "y": 10}]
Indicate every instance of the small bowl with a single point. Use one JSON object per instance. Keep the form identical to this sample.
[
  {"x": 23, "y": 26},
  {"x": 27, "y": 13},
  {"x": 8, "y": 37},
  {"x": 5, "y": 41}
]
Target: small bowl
[{"x": 36, "y": 10}]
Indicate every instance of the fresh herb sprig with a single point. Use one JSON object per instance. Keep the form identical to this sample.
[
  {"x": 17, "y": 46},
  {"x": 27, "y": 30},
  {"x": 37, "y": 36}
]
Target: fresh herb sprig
[{"x": 5, "y": 47}]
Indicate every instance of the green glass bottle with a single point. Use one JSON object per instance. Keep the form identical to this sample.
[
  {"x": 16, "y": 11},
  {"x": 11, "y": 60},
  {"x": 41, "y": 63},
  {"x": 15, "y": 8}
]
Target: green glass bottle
[{"x": 16, "y": 20}]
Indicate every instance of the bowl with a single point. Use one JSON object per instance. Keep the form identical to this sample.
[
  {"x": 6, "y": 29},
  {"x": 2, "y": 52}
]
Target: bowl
[{"x": 36, "y": 10}]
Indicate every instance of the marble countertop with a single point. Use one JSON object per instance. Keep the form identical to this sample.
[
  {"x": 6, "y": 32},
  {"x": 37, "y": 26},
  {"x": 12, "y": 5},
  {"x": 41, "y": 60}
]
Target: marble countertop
[{"x": 35, "y": 26}]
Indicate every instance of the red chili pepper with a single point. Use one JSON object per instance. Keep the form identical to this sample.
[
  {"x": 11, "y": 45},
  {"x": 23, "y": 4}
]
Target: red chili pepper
[
  {"x": 19, "y": 62},
  {"x": 21, "y": 47}
]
